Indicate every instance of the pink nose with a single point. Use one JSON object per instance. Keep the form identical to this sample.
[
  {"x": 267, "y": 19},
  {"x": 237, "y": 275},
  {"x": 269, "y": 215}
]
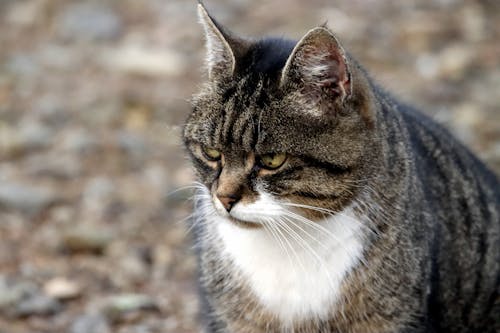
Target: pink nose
[{"x": 228, "y": 201}]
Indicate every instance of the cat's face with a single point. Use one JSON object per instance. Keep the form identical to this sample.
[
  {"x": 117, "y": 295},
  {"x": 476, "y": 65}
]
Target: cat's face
[{"x": 280, "y": 130}]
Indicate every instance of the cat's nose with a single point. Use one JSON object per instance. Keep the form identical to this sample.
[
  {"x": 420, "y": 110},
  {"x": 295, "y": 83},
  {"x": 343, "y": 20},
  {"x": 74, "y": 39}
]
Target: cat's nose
[{"x": 228, "y": 200}]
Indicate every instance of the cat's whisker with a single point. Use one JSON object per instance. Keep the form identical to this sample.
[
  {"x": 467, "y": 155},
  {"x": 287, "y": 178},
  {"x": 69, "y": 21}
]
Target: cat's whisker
[
  {"x": 286, "y": 236},
  {"x": 369, "y": 227},
  {"x": 193, "y": 185},
  {"x": 275, "y": 233},
  {"x": 314, "y": 225},
  {"x": 329, "y": 213},
  {"x": 366, "y": 179},
  {"x": 306, "y": 246},
  {"x": 292, "y": 233},
  {"x": 322, "y": 229},
  {"x": 204, "y": 206},
  {"x": 283, "y": 244},
  {"x": 320, "y": 209},
  {"x": 291, "y": 220},
  {"x": 284, "y": 232},
  {"x": 184, "y": 219}
]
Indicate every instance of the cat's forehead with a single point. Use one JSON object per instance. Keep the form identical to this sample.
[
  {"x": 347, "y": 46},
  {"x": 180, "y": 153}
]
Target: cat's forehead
[
  {"x": 230, "y": 115},
  {"x": 250, "y": 117},
  {"x": 228, "y": 112}
]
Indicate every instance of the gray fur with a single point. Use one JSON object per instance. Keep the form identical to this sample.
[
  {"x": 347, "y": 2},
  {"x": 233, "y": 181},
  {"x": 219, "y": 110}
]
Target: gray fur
[{"x": 433, "y": 259}]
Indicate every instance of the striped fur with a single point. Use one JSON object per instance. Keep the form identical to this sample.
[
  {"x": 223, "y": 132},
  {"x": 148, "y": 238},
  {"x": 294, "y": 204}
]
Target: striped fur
[{"x": 428, "y": 209}]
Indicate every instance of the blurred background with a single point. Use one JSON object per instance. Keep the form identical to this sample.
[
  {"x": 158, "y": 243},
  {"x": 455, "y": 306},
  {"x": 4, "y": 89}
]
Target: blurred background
[{"x": 93, "y": 94}]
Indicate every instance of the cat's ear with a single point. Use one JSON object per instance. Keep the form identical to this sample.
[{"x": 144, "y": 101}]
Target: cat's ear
[
  {"x": 318, "y": 65},
  {"x": 222, "y": 46}
]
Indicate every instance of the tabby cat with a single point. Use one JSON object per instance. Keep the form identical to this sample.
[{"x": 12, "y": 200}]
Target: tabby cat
[{"x": 325, "y": 205}]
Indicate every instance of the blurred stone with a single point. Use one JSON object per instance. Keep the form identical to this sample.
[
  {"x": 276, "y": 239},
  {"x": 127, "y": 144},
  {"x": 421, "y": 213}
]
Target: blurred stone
[
  {"x": 22, "y": 64},
  {"x": 88, "y": 21},
  {"x": 49, "y": 109},
  {"x": 138, "y": 117},
  {"x": 87, "y": 238},
  {"x": 39, "y": 305},
  {"x": 24, "y": 13},
  {"x": 341, "y": 22},
  {"x": 90, "y": 323},
  {"x": 493, "y": 155},
  {"x": 60, "y": 57},
  {"x": 454, "y": 61},
  {"x": 102, "y": 114},
  {"x": 427, "y": 66},
  {"x": 35, "y": 135},
  {"x": 495, "y": 150},
  {"x": 10, "y": 141},
  {"x": 62, "y": 288},
  {"x": 141, "y": 328},
  {"x": 26, "y": 137},
  {"x": 473, "y": 22},
  {"x": 79, "y": 141},
  {"x": 116, "y": 307},
  {"x": 13, "y": 293},
  {"x": 156, "y": 177},
  {"x": 25, "y": 198},
  {"x": 466, "y": 119},
  {"x": 60, "y": 166},
  {"x": 163, "y": 257},
  {"x": 131, "y": 270},
  {"x": 99, "y": 188},
  {"x": 451, "y": 63},
  {"x": 62, "y": 214},
  {"x": 98, "y": 193},
  {"x": 132, "y": 262},
  {"x": 417, "y": 32},
  {"x": 136, "y": 59},
  {"x": 133, "y": 145}
]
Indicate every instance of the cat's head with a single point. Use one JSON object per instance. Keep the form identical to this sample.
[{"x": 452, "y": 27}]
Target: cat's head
[{"x": 280, "y": 126}]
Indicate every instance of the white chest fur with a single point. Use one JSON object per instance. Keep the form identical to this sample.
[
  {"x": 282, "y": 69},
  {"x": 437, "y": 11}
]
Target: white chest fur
[{"x": 295, "y": 279}]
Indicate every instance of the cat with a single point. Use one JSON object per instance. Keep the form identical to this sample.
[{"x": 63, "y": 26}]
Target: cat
[{"x": 325, "y": 205}]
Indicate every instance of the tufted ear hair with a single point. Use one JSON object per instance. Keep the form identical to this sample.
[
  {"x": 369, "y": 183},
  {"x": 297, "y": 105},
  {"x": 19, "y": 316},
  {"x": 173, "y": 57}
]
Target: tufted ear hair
[
  {"x": 223, "y": 47},
  {"x": 318, "y": 66}
]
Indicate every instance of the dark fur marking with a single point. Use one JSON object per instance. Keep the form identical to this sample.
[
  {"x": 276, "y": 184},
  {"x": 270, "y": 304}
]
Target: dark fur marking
[{"x": 267, "y": 56}]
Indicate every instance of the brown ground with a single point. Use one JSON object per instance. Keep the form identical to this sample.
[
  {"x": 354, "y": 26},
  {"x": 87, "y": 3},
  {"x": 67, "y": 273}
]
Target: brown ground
[{"x": 92, "y": 96}]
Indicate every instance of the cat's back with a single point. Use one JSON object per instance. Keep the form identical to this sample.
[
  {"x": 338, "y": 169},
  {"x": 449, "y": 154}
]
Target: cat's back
[
  {"x": 442, "y": 161},
  {"x": 463, "y": 201}
]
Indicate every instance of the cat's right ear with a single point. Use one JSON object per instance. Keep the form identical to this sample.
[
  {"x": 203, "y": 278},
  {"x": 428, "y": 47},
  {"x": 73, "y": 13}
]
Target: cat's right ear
[
  {"x": 319, "y": 66},
  {"x": 222, "y": 46}
]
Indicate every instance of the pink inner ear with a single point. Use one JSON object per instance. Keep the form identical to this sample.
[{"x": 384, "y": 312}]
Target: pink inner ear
[{"x": 323, "y": 67}]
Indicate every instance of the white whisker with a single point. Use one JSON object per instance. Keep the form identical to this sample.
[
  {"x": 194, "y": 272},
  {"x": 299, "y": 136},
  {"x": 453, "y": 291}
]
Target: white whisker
[{"x": 330, "y": 213}]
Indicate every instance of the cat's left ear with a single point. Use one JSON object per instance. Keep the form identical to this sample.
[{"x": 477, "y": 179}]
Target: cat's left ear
[
  {"x": 319, "y": 66},
  {"x": 223, "y": 47}
]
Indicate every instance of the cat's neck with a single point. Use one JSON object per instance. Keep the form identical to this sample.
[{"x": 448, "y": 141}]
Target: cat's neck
[{"x": 295, "y": 272}]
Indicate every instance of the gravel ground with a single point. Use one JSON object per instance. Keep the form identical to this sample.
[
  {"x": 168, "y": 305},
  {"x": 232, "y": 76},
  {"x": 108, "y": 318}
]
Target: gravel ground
[{"x": 93, "y": 237}]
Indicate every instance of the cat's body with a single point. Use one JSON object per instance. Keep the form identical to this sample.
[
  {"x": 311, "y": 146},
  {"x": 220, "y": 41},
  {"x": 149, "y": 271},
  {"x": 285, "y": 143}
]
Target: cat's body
[{"x": 377, "y": 220}]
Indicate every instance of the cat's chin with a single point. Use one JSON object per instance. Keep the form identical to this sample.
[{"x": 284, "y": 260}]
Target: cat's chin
[{"x": 243, "y": 224}]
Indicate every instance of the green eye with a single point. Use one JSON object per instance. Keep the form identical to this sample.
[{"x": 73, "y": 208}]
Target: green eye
[
  {"x": 272, "y": 161},
  {"x": 211, "y": 154}
]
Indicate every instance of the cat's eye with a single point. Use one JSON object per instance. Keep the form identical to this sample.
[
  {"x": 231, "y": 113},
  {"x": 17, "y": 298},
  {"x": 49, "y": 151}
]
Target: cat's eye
[
  {"x": 211, "y": 154},
  {"x": 272, "y": 161}
]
